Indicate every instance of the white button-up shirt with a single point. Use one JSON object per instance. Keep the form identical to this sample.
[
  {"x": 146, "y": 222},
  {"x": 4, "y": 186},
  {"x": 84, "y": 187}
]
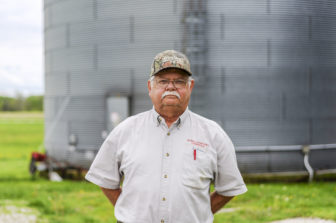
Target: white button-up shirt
[{"x": 166, "y": 171}]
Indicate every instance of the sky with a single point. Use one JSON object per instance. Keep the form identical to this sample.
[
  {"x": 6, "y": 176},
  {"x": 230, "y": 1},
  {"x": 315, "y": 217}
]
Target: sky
[{"x": 21, "y": 47}]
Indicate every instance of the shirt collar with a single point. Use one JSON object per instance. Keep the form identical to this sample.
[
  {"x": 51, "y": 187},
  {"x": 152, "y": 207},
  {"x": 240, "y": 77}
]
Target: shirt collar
[{"x": 179, "y": 122}]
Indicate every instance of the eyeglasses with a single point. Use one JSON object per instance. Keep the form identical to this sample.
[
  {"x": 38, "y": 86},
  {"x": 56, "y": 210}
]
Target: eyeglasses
[{"x": 178, "y": 83}]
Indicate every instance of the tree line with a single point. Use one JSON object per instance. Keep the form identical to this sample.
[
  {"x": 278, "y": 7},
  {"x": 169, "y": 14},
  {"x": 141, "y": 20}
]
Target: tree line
[{"x": 21, "y": 103}]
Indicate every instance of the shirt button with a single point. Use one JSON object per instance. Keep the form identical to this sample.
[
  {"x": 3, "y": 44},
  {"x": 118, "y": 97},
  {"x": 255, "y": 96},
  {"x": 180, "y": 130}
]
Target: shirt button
[
  {"x": 163, "y": 198},
  {"x": 165, "y": 176},
  {"x": 168, "y": 134},
  {"x": 167, "y": 154}
]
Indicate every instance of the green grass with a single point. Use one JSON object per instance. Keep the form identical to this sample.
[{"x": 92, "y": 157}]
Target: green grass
[
  {"x": 67, "y": 201},
  {"x": 79, "y": 201},
  {"x": 267, "y": 202}
]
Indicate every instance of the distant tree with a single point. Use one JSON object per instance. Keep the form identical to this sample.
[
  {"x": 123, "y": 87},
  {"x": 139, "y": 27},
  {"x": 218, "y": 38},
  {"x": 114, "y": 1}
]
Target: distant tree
[
  {"x": 20, "y": 103},
  {"x": 2, "y": 103},
  {"x": 34, "y": 103},
  {"x": 7, "y": 103}
]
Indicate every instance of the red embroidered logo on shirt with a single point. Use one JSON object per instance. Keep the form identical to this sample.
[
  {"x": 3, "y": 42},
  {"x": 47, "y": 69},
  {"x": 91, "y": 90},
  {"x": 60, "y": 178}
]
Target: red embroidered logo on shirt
[{"x": 201, "y": 144}]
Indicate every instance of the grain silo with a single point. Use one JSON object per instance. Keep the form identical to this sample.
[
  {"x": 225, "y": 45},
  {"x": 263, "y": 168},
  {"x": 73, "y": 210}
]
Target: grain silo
[{"x": 264, "y": 70}]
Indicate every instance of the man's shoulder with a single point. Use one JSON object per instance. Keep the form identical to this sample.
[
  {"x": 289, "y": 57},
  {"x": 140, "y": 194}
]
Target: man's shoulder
[
  {"x": 139, "y": 119},
  {"x": 131, "y": 124},
  {"x": 210, "y": 129},
  {"x": 201, "y": 120},
  {"x": 134, "y": 119}
]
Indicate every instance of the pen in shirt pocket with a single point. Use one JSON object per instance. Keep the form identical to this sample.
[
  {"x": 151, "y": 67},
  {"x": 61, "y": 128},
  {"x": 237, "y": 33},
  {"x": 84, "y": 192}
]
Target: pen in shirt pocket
[{"x": 195, "y": 150}]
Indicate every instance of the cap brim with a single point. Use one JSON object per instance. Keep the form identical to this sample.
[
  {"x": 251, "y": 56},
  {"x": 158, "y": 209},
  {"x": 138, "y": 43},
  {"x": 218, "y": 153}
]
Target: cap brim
[{"x": 166, "y": 68}]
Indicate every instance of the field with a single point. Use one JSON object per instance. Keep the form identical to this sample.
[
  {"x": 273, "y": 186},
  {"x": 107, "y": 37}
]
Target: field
[{"x": 79, "y": 201}]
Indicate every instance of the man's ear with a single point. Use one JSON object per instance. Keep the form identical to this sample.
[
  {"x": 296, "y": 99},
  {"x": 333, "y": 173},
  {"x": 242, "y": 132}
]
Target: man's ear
[
  {"x": 192, "y": 82},
  {"x": 149, "y": 86}
]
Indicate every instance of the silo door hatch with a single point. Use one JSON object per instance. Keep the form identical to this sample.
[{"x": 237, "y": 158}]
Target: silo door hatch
[{"x": 117, "y": 110}]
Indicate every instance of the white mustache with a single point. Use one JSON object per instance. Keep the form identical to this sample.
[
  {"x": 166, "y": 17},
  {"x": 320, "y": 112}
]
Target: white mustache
[{"x": 175, "y": 93}]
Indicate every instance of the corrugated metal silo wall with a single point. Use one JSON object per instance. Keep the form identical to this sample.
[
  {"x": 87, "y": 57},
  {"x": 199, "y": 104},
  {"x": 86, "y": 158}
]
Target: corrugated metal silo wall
[
  {"x": 273, "y": 64},
  {"x": 264, "y": 69},
  {"x": 96, "y": 48}
]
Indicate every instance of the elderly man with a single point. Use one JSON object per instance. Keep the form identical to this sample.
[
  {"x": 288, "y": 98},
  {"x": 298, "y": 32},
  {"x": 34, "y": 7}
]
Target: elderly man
[{"x": 166, "y": 158}]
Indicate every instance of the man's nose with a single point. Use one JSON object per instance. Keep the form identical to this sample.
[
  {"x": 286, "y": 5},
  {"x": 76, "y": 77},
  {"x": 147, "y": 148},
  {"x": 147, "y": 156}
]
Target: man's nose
[{"x": 171, "y": 85}]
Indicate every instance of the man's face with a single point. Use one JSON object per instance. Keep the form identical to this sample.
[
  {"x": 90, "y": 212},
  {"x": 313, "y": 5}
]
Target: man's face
[{"x": 161, "y": 95}]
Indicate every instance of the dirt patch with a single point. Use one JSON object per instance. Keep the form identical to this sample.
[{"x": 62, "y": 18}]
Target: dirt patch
[
  {"x": 227, "y": 210},
  {"x": 304, "y": 220},
  {"x": 13, "y": 214}
]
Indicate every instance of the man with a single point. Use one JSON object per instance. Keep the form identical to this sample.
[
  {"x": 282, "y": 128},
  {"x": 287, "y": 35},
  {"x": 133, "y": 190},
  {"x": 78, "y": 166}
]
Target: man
[{"x": 167, "y": 156}]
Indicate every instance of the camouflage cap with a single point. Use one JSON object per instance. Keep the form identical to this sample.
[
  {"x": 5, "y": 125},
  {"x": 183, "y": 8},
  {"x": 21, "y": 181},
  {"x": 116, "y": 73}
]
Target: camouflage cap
[{"x": 170, "y": 59}]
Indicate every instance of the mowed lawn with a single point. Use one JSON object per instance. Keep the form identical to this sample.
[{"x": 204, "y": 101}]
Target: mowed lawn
[{"x": 79, "y": 201}]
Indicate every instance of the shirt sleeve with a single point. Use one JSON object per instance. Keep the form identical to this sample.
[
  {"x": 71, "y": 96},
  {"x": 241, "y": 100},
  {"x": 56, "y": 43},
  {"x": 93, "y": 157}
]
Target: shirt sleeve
[
  {"x": 104, "y": 170},
  {"x": 228, "y": 180}
]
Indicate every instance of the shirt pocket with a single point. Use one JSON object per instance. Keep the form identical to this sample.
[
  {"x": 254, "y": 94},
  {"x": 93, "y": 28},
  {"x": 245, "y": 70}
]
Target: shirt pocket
[{"x": 197, "y": 172}]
